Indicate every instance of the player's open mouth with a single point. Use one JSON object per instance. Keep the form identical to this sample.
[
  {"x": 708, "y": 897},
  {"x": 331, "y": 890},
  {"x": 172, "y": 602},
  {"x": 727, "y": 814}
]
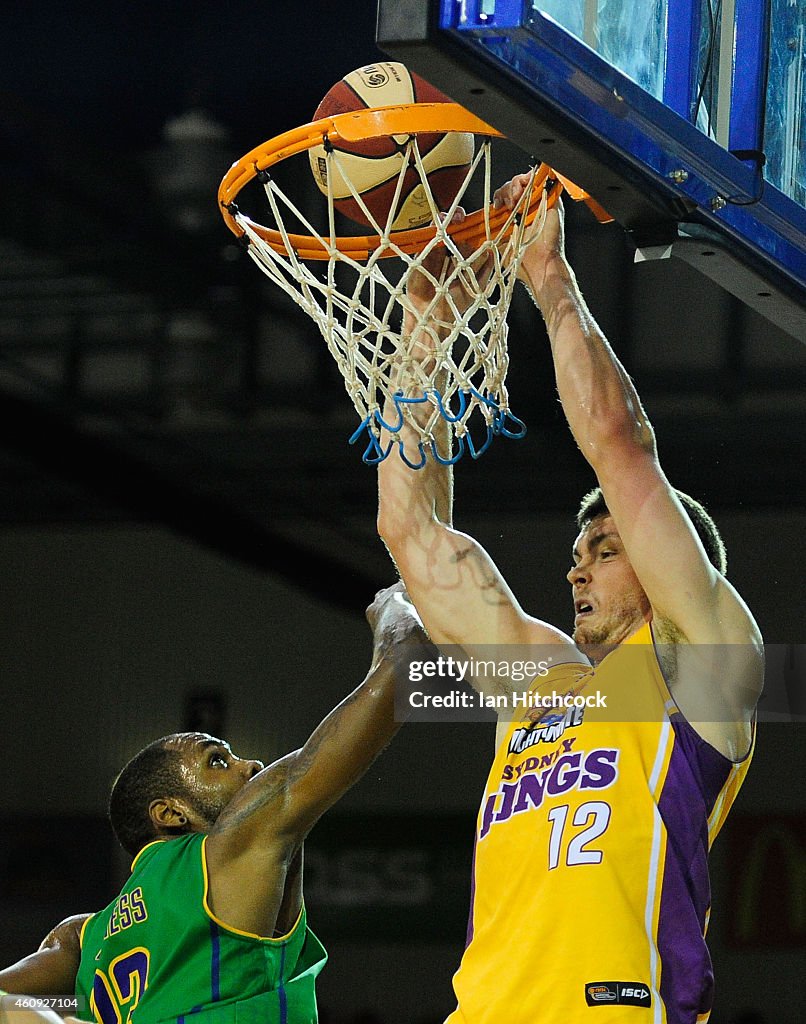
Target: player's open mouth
[{"x": 582, "y": 608}]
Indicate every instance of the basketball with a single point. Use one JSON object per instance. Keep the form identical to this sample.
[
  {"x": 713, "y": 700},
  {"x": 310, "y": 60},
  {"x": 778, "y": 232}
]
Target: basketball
[{"x": 373, "y": 165}]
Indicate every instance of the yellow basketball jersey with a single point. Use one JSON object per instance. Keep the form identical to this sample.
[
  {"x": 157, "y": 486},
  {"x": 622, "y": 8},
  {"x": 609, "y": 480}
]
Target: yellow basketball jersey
[{"x": 590, "y": 895}]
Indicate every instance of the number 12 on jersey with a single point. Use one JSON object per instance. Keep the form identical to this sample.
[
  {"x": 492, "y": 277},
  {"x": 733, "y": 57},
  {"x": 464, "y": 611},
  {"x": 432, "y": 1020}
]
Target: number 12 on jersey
[
  {"x": 593, "y": 817},
  {"x": 116, "y": 994}
]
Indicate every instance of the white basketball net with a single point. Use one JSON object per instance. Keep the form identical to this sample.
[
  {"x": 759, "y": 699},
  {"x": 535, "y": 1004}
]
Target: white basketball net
[{"x": 359, "y": 308}]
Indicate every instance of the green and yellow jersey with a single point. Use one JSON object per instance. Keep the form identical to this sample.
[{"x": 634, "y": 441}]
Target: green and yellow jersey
[{"x": 157, "y": 953}]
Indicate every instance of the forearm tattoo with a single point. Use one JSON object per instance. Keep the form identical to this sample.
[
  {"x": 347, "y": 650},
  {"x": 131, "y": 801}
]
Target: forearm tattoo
[
  {"x": 299, "y": 764},
  {"x": 491, "y": 587}
]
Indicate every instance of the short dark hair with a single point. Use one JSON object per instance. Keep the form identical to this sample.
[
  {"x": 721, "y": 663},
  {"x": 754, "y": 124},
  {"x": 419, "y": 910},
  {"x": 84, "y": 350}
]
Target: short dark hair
[
  {"x": 153, "y": 773},
  {"x": 594, "y": 505}
]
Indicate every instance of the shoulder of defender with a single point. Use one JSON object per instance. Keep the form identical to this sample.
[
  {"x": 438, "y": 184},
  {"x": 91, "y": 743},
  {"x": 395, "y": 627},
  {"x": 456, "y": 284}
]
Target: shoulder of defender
[{"x": 67, "y": 933}]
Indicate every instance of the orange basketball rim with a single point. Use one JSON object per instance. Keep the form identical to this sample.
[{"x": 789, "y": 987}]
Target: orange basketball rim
[{"x": 354, "y": 126}]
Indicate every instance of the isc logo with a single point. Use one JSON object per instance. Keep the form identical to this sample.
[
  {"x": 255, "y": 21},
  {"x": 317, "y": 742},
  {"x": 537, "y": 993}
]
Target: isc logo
[{"x": 617, "y": 993}]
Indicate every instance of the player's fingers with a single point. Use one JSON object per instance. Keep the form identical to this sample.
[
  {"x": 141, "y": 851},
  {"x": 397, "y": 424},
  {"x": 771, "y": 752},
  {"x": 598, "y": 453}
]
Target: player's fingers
[
  {"x": 506, "y": 196},
  {"x": 510, "y": 193},
  {"x": 457, "y": 217}
]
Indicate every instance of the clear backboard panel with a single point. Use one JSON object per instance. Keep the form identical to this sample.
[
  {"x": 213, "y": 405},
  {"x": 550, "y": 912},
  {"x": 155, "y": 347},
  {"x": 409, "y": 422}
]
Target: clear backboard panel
[
  {"x": 630, "y": 35},
  {"x": 785, "y": 128},
  {"x": 684, "y": 118}
]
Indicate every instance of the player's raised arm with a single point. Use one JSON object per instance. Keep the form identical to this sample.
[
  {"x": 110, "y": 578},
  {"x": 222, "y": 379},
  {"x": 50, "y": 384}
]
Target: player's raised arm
[
  {"x": 259, "y": 834},
  {"x": 458, "y": 590},
  {"x": 52, "y": 969},
  {"x": 690, "y": 599}
]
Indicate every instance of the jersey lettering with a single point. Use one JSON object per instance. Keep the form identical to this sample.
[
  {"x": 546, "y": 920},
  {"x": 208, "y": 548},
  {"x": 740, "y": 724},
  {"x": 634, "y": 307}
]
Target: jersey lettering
[
  {"x": 547, "y": 730},
  {"x": 596, "y": 769},
  {"x": 595, "y": 815},
  {"x": 129, "y": 909}
]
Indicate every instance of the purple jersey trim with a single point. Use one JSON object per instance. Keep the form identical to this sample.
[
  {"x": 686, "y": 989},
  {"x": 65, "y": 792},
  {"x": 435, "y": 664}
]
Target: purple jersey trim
[
  {"x": 215, "y": 962},
  {"x": 696, "y": 776},
  {"x": 281, "y": 993},
  {"x": 469, "y": 938}
]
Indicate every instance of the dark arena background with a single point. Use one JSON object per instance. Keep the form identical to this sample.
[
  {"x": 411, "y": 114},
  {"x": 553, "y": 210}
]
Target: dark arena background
[{"x": 187, "y": 540}]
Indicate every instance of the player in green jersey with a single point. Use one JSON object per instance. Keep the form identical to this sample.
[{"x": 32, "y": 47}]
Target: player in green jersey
[{"x": 211, "y": 922}]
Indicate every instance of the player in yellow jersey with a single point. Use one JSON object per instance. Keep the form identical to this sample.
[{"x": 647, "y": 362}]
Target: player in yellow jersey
[{"x": 590, "y": 896}]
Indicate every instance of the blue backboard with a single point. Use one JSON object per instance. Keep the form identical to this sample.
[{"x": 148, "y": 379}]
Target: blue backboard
[{"x": 684, "y": 118}]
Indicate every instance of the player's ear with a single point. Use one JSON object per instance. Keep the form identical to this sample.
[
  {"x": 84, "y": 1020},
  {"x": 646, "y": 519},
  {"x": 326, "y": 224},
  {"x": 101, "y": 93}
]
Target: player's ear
[{"x": 168, "y": 813}]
